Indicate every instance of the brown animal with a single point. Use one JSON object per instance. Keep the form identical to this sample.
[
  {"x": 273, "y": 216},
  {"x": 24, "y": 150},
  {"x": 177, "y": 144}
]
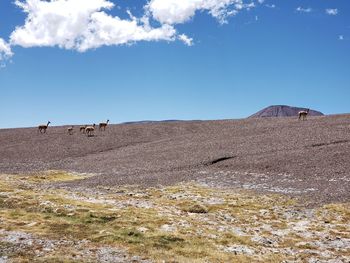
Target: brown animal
[
  {"x": 103, "y": 125},
  {"x": 82, "y": 128},
  {"x": 303, "y": 114},
  {"x": 70, "y": 130},
  {"x": 42, "y": 128},
  {"x": 89, "y": 130}
]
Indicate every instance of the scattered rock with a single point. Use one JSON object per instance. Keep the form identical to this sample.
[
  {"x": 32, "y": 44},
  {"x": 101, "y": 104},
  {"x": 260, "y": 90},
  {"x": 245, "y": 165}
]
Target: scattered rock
[
  {"x": 168, "y": 228},
  {"x": 239, "y": 249}
]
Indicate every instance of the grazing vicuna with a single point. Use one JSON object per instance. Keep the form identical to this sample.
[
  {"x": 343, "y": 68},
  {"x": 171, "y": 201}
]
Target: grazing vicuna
[
  {"x": 82, "y": 128},
  {"x": 103, "y": 125},
  {"x": 303, "y": 114},
  {"x": 89, "y": 130},
  {"x": 70, "y": 130},
  {"x": 42, "y": 128}
]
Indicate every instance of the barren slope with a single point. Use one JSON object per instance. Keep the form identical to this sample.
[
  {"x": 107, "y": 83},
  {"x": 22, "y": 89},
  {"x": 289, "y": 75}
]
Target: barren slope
[{"x": 284, "y": 155}]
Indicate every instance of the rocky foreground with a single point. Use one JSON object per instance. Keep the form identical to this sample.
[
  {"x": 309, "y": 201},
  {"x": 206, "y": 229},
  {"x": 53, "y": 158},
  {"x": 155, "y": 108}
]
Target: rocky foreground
[{"x": 186, "y": 222}]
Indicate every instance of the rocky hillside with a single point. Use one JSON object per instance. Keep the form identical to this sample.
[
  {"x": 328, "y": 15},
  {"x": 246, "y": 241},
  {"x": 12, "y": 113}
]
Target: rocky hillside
[
  {"x": 280, "y": 155},
  {"x": 283, "y": 111},
  {"x": 251, "y": 190}
]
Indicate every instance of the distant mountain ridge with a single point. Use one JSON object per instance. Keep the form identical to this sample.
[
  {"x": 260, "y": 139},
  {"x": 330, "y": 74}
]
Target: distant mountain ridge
[{"x": 283, "y": 111}]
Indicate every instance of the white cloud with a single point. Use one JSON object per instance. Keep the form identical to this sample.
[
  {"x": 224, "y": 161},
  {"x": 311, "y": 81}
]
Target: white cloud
[
  {"x": 341, "y": 37},
  {"x": 303, "y": 10},
  {"x": 332, "y": 12},
  {"x": 87, "y": 24},
  {"x": 178, "y": 12},
  {"x": 187, "y": 40},
  {"x": 271, "y": 5},
  {"x": 5, "y": 50},
  {"x": 81, "y": 25},
  {"x": 107, "y": 30}
]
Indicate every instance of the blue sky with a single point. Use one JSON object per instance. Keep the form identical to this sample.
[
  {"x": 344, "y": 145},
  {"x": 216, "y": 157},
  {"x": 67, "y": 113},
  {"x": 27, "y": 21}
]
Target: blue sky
[{"x": 197, "y": 62}]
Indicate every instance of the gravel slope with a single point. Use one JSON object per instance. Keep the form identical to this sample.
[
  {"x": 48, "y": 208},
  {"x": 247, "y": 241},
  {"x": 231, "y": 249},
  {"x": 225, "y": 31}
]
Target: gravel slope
[{"x": 305, "y": 158}]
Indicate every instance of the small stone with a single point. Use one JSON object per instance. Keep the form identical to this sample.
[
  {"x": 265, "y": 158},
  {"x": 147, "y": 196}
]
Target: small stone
[{"x": 142, "y": 229}]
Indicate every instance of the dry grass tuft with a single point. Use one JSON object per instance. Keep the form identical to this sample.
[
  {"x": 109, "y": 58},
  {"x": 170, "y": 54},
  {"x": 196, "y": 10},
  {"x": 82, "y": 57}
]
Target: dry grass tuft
[{"x": 194, "y": 208}]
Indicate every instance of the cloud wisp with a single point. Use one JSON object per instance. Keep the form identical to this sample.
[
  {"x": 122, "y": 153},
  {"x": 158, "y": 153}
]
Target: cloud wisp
[
  {"x": 303, "y": 9},
  {"x": 187, "y": 40},
  {"x": 332, "y": 11},
  {"x": 5, "y": 51}
]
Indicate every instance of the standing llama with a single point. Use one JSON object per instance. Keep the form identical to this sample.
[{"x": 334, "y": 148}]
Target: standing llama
[
  {"x": 103, "y": 125},
  {"x": 70, "y": 130},
  {"x": 303, "y": 114},
  {"x": 89, "y": 130},
  {"x": 42, "y": 128}
]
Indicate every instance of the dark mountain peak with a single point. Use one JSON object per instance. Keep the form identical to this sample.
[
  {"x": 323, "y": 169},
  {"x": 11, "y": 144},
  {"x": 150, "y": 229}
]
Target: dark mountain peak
[{"x": 283, "y": 111}]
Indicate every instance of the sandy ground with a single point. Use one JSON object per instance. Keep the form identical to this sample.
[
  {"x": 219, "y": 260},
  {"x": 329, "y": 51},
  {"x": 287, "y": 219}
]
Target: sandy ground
[{"x": 309, "y": 159}]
